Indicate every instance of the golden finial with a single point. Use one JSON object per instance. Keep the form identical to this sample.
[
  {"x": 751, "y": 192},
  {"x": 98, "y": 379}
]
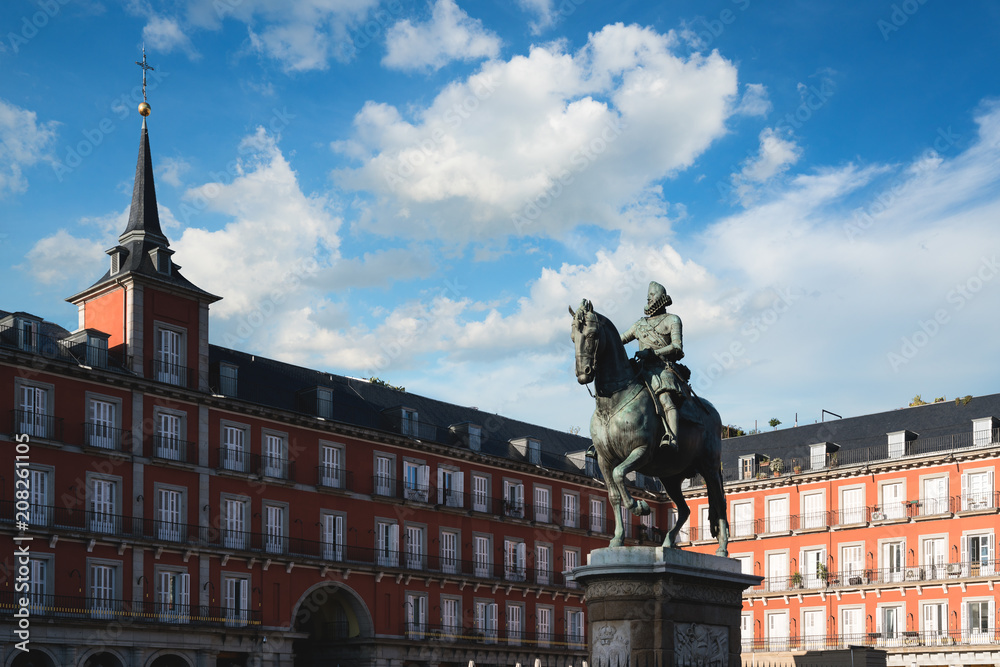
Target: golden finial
[{"x": 144, "y": 108}]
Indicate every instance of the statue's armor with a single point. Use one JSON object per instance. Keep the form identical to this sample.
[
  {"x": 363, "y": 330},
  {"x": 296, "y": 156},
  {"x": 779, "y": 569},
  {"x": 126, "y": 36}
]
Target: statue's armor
[{"x": 656, "y": 333}]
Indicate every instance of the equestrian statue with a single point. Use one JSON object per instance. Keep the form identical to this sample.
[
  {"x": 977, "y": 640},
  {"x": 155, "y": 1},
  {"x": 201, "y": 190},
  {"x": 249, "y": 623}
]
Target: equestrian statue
[{"x": 648, "y": 418}]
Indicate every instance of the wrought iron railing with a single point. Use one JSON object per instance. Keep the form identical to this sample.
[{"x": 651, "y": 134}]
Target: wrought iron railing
[{"x": 879, "y": 639}]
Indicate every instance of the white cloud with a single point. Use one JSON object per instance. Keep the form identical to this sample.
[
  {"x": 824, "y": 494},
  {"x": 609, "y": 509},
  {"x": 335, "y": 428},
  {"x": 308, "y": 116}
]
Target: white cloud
[
  {"x": 303, "y": 35},
  {"x": 544, "y": 12},
  {"x": 773, "y": 157},
  {"x": 164, "y": 34},
  {"x": 23, "y": 142},
  {"x": 755, "y": 101},
  {"x": 170, "y": 169},
  {"x": 450, "y": 34},
  {"x": 63, "y": 258},
  {"x": 541, "y": 143}
]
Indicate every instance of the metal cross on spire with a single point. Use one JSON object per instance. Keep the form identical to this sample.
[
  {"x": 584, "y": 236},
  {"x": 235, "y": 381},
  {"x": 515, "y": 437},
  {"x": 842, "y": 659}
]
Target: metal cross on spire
[{"x": 144, "y": 67}]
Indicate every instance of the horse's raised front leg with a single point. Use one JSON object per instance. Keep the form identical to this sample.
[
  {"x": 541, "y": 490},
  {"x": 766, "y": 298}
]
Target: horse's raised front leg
[
  {"x": 614, "y": 499},
  {"x": 637, "y": 507},
  {"x": 672, "y": 486}
]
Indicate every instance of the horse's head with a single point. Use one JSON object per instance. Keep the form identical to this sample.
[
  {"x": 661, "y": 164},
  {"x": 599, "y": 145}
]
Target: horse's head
[{"x": 585, "y": 333}]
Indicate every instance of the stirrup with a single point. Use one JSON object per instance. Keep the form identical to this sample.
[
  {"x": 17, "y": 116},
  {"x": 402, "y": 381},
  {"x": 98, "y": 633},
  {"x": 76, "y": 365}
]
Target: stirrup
[{"x": 670, "y": 442}]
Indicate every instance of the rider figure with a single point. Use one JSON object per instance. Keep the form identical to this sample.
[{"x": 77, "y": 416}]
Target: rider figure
[{"x": 660, "y": 346}]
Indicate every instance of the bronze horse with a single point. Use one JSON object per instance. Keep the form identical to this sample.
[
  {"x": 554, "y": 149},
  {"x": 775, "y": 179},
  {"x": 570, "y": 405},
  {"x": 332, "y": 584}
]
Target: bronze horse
[{"x": 626, "y": 431}]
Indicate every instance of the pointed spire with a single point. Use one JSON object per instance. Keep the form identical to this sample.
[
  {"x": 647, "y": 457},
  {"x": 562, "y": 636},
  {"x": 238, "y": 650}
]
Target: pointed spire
[{"x": 144, "y": 219}]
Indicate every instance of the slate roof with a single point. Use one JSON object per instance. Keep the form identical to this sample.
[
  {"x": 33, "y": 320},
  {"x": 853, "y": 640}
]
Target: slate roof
[
  {"x": 365, "y": 404},
  {"x": 854, "y": 433}
]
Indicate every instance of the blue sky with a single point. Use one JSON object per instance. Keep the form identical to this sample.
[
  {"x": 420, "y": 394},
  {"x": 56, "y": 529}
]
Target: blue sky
[{"x": 417, "y": 191}]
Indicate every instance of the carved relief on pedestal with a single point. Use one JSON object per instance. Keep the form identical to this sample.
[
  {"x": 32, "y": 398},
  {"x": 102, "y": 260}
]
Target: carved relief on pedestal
[
  {"x": 698, "y": 643},
  {"x": 611, "y": 644},
  {"x": 623, "y": 588}
]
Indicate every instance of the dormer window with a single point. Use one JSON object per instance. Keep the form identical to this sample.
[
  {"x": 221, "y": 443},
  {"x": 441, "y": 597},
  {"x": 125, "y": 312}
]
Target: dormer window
[
  {"x": 748, "y": 466},
  {"x": 475, "y": 437},
  {"x": 408, "y": 424},
  {"x": 984, "y": 431},
  {"x": 27, "y": 334},
  {"x": 97, "y": 352},
  {"x": 161, "y": 260},
  {"x": 324, "y": 402},
  {"x": 817, "y": 456},
  {"x": 116, "y": 263},
  {"x": 897, "y": 443},
  {"x": 227, "y": 379},
  {"x": 534, "y": 451}
]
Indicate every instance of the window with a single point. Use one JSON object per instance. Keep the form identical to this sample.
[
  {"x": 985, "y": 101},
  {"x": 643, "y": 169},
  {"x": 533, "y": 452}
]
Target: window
[
  {"x": 934, "y": 499},
  {"x": 96, "y": 351},
  {"x": 705, "y": 527},
  {"x": 746, "y": 630},
  {"x": 32, "y": 415},
  {"x": 27, "y": 334},
  {"x": 416, "y": 615},
  {"x": 383, "y": 476},
  {"x": 513, "y": 496},
  {"x": 777, "y": 630},
  {"x": 543, "y": 563},
  {"x": 813, "y": 510},
  {"x": 571, "y": 560},
  {"x": 515, "y": 623},
  {"x": 571, "y": 510},
  {"x": 236, "y": 600},
  {"x": 234, "y": 449},
  {"x": 543, "y": 504},
  {"x": 777, "y": 515},
  {"x": 852, "y": 506},
  {"x": 102, "y": 590},
  {"x": 543, "y": 619},
  {"x": 331, "y": 467},
  {"x": 743, "y": 523},
  {"x": 746, "y": 563},
  {"x": 748, "y": 466},
  {"x": 814, "y": 572},
  {"x": 168, "y": 437},
  {"x": 173, "y": 597},
  {"x": 168, "y": 515},
  {"x": 597, "y": 517},
  {"x": 333, "y": 536},
  {"x": 889, "y": 621},
  {"x": 475, "y": 437},
  {"x": 450, "y": 488},
  {"x": 102, "y": 429},
  {"x": 897, "y": 445},
  {"x": 274, "y": 529},
  {"x": 892, "y": 561},
  {"x": 234, "y": 521},
  {"x": 893, "y": 501},
  {"x": 977, "y": 555},
  {"x": 852, "y": 565},
  {"x": 275, "y": 456},
  {"x": 480, "y": 493},
  {"x": 451, "y": 615},
  {"x": 486, "y": 620},
  {"x": 515, "y": 561},
  {"x": 449, "y": 551},
  {"x": 534, "y": 451},
  {"x": 324, "y": 402},
  {"x": 813, "y": 628},
  {"x": 103, "y": 504},
  {"x": 934, "y": 555},
  {"x": 934, "y": 620},
  {"x": 416, "y": 480},
  {"x": 982, "y": 431},
  {"x": 168, "y": 362},
  {"x": 852, "y": 625},
  {"x": 227, "y": 379},
  {"x": 415, "y": 547},
  {"x": 481, "y": 555},
  {"x": 977, "y": 620},
  {"x": 817, "y": 456},
  {"x": 574, "y": 625},
  {"x": 38, "y": 587},
  {"x": 40, "y": 512},
  {"x": 408, "y": 422},
  {"x": 777, "y": 571},
  {"x": 977, "y": 490},
  {"x": 387, "y": 544}
]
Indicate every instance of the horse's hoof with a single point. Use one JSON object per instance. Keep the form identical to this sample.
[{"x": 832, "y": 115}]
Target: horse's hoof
[
  {"x": 721, "y": 551},
  {"x": 641, "y": 508},
  {"x": 616, "y": 542}
]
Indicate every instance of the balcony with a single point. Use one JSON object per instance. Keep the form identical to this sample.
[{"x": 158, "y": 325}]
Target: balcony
[
  {"x": 471, "y": 635},
  {"x": 104, "y": 436},
  {"x": 885, "y": 577},
  {"x": 277, "y": 467},
  {"x": 71, "y": 607},
  {"x": 882, "y": 640},
  {"x": 231, "y": 459},
  {"x": 169, "y": 448},
  {"x": 78, "y": 354},
  {"x": 329, "y": 477},
  {"x": 36, "y": 425},
  {"x": 173, "y": 374}
]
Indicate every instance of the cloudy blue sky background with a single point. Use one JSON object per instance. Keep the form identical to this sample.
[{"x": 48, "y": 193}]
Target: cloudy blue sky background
[{"x": 418, "y": 190}]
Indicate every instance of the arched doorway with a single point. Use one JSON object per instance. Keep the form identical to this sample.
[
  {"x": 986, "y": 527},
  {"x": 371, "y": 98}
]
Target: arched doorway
[
  {"x": 339, "y": 628},
  {"x": 104, "y": 659},
  {"x": 33, "y": 658},
  {"x": 170, "y": 660}
]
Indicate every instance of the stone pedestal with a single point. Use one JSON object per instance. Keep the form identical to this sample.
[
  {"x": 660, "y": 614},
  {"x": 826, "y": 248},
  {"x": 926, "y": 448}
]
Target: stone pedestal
[{"x": 656, "y": 607}]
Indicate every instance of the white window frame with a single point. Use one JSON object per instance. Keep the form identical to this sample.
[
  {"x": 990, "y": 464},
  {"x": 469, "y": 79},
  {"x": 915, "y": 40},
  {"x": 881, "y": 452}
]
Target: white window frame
[
  {"x": 810, "y": 517},
  {"x": 415, "y": 546},
  {"x": 416, "y": 480},
  {"x": 386, "y": 542},
  {"x": 35, "y": 420},
  {"x": 384, "y": 474},
  {"x": 480, "y": 492},
  {"x": 235, "y": 523},
  {"x": 513, "y": 498},
  {"x": 974, "y": 498},
  {"x": 40, "y": 494},
  {"x": 171, "y": 434},
  {"x": 173, "y": 595},
  {"x": 275, "y": 527},
  {"x": 779, "y": 523},
  {"x": 331, "y": 462},
  {"x": 893, "y": 509},
  {"x": 482, "y": 555},
  {"x": 234, "y": 445},
  {"x": 103, "y": 586},
  {"x": 104, "y": 503},
  {"x": 171, "y": 367},
  {"x": 542, "y": 503},
  {"x": 451, "y": 550},
  {"x": 851, "y": 515},
  {"x": 274, "y": 454},
  {"x": 570, "y": 509},
  {"x": 236, "y": 599},
  {"x": 543, "y": 563},
  {"x": 171, "y": 511},
  {"x": 332, "y": 528},
  {"x": 515, "y": 559},
  {"x": 103, "y": 430},
  {"x": 598, "y": 518}
]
